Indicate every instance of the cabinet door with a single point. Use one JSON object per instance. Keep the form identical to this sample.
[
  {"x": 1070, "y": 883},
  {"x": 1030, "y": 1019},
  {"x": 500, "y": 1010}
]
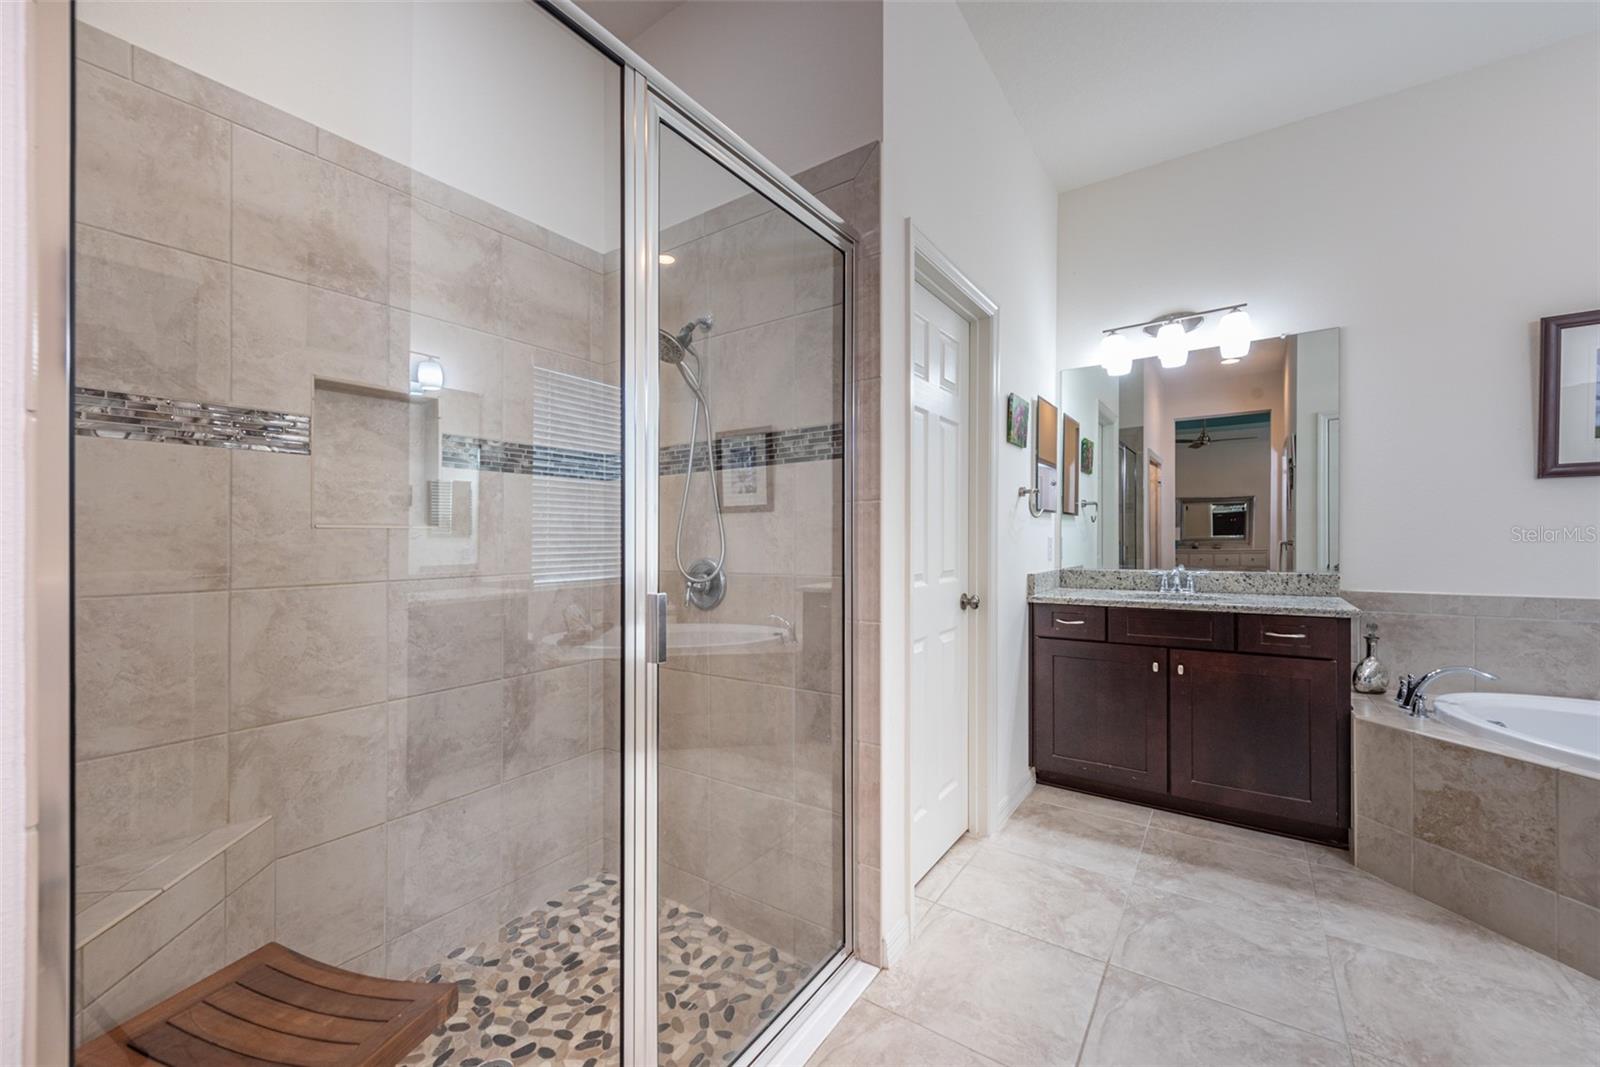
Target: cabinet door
[
  {"x": 1257, "y": 733},
  {"x": 1100, "y": 713}
]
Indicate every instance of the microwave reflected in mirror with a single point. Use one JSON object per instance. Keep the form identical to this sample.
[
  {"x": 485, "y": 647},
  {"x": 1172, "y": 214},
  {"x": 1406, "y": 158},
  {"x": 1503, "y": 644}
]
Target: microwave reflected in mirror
[{"x": 1216, "y": 466}]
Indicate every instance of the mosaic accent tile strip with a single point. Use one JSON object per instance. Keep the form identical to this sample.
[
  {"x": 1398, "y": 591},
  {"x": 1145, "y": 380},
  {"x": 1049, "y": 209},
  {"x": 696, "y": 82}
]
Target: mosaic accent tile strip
[
  {"x": 766, "y": 448},
  {"x": 547, "y": 988},
  {"x": 512, "y": 457},
  {"x": 131, "y": 417}
]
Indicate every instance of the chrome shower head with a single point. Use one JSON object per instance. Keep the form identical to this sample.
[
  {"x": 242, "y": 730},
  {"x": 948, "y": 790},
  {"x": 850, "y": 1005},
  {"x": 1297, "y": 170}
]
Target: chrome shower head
[
  {"x": 669, "y": 348},
  {"x": 673, "y": 347}
]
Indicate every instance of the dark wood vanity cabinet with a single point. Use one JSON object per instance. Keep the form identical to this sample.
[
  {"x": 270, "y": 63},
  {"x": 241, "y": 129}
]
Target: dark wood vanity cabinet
[
  {"x": 1237, "y": 717},
  {"x": 1100, "y": 713}
]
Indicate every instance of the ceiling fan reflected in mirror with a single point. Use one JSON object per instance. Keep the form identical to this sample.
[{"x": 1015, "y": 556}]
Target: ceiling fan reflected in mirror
[{"x": 1203, "y": 438}]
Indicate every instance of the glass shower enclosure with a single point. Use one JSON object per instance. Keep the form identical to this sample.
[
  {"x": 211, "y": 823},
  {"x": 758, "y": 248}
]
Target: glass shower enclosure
[{"x": 462, "y": 433}]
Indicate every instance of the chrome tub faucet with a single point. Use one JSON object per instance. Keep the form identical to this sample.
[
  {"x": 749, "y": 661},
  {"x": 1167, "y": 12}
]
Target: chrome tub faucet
[{"x": 1411, "y": 694}]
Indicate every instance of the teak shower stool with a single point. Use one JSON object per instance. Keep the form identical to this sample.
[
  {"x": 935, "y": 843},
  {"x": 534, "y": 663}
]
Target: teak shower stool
[{"x": 276, "y": 1006}]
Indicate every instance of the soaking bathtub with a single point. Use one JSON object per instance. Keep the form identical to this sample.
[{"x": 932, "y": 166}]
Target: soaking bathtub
[{"x": 1560, "y": 729}]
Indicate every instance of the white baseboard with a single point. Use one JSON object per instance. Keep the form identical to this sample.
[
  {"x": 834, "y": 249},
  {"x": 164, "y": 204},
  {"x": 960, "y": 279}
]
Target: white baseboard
[
  {"x": 896, "y": 941},
  {"x": 1013, "y": 800},
  {"x": 802, "y": 1037}
]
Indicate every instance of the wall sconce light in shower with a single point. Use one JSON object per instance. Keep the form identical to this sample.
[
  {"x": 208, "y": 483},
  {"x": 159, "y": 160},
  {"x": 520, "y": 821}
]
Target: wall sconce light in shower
[
  {"x": 667, "y": 259},
  {"x": 1171, "y": 343},
  {"x": 427, "y": 376}
]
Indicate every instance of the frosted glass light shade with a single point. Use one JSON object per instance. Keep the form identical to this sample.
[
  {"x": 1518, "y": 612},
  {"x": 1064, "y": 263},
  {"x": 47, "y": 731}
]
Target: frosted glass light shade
[
  {"x": 1233, "y": 335},
  {"x": 1116, "y": 354},
  {"x": 428, "y": 376},
  {"x": 1172, "y": 346}
]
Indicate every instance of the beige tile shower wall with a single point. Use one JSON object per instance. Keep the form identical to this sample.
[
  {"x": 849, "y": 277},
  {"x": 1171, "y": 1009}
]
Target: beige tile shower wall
[
  {"x": 432, "y": 763},
  {"x": 1545, "y": 645},
  {"x": 1508, "y": 842}
]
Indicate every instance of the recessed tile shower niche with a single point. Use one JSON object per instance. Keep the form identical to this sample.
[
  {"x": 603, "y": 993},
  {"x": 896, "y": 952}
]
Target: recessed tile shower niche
[{"x": 378, "y": 461}]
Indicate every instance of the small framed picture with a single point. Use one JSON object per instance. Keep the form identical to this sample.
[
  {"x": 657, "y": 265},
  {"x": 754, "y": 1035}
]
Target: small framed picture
[
  {"x": 1569, "y": 395},
  {"x": 1086, "y": 462},
  {"x": 1016, "y": 421},
  {"x": 744, "y": 469}
]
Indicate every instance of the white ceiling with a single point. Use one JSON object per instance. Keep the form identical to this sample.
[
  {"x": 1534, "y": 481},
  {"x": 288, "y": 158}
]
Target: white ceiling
[
  {"x": 628, "y": 18},
  {"x": 1106, "y": 88}
]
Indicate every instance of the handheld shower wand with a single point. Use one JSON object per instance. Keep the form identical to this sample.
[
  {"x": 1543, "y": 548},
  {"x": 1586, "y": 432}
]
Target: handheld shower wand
[{"x": 705, "y": 583}]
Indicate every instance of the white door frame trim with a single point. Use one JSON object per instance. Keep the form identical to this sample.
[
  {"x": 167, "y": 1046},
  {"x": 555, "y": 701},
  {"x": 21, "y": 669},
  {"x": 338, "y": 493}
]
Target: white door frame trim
[{"x": 932, "y": 269}]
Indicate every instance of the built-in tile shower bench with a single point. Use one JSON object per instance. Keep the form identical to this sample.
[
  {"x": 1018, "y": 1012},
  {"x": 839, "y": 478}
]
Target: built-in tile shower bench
[
  {"x": 152, "y": 920},
  {"x": 1230, "y": 702}
]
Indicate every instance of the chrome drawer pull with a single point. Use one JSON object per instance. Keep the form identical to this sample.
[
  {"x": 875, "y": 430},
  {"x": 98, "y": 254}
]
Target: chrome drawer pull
[
  {"x": 1291, "y": 637},
  {"x": 1068, "y": 622}
]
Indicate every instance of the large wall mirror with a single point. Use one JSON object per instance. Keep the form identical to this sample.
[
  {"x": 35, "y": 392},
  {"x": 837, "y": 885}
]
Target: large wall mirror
[{"x": 1225, "y": 467}]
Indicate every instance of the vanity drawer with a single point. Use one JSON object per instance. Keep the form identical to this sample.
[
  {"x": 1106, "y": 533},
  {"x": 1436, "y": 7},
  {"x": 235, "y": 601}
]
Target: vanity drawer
[
  {"x": 1174, "y": 629},
  {"x": 1080, "y": 622},
  {"x": 1307, "y": 636}
]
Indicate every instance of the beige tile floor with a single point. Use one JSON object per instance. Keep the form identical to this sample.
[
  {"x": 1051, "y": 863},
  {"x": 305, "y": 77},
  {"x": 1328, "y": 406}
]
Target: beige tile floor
[{"x": 1089, "y": 931}]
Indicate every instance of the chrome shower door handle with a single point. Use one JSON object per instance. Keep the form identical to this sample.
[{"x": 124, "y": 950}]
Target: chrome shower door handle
[{"x": 655, "y": 628}]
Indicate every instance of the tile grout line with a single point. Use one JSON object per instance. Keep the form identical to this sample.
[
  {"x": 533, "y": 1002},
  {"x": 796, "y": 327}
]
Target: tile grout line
[{"x": 1333, "y": 977}]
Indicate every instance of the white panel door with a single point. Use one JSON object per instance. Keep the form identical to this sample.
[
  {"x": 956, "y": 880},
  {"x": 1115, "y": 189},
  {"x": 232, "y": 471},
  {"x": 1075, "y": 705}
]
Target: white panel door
[{"x": 937, "y": 713}]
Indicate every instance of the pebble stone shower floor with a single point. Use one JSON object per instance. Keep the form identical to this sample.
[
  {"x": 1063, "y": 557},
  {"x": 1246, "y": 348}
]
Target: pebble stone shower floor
[{"x": 547, "y": 988}]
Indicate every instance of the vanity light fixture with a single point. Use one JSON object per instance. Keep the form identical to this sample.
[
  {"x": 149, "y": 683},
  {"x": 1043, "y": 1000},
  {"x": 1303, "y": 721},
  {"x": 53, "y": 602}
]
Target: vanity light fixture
[
  {"x": 1116, "y": 354},
  {"x": 427, "y": 376},
  {"x": 1233, "y": 335},
  {"x": 667, "y": 259},
  {"x": 1171, "y": 345}
]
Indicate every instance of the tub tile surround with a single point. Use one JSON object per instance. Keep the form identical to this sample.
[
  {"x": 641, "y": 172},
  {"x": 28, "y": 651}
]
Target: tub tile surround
[
  {"x": 1506, "y": 839},
  {"x": 1144, "y": 954},
  {"x": 327, "y": 659},
  {"x": 1544, "y": 645}
]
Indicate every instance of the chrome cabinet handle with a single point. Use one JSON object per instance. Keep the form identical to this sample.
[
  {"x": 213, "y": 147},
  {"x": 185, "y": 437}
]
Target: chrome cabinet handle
[
  {"x": 1290, "y": 637},
  {"x": 1155, "y": 666},
  {"x": 1061, "y": 620}
]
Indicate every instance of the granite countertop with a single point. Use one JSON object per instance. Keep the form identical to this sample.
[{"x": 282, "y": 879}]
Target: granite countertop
[
  {"x": 1249, "y": 603},
  {"x": 1257, "y": 593}
]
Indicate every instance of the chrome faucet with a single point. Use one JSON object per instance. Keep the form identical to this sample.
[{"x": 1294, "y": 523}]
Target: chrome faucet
[
  {"x": 1410, "y": 693},
  {"x": 788, "y": 629},
  {"x": 1177, "y": 580}
]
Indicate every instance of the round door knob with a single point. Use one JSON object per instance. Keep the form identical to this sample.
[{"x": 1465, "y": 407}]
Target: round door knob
[{"x": 969, "y": 601}]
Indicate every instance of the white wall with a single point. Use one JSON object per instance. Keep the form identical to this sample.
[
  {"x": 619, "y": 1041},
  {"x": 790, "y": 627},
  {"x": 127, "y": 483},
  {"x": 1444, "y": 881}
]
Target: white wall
[
  {"x": 480, "y": 94},
  {"x": 1436, "y": 226},
  {"x": 956, "y": 163},
  {"x": 800, "y": 81}
]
